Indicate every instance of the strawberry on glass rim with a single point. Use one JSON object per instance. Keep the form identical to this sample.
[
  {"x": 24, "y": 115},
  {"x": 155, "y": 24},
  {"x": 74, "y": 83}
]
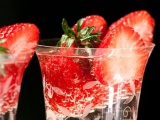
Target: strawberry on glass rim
[
  {"x": 19, "y": 38},
  {"x": 141, "y": 21},
  {"x": 122, "y": 61},
  {"x": 133, "y": 31},
  {"x": 17, "y": 45},
  {"x": 66, "y": 73},
  {"x": 79, "y": 76}
]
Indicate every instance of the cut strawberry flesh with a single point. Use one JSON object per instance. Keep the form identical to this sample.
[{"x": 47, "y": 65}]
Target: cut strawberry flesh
[
  {"x": 126, "y": 62},
  {"x": 20, "y": 37},
  {"x": 72, "y": 83},
  {"x": 141, "y": 21}
]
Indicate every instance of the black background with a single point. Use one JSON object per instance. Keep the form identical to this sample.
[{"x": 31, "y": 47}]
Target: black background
[{"x": 48, "y": 14}]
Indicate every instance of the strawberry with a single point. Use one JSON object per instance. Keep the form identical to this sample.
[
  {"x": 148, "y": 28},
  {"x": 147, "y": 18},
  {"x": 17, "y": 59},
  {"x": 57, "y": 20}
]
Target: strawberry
[
  {"x": 141, "y": 21},
  {"x": 19, "y": 38},
  {"x": 64, "y": 78},
  {"x": 97, "y": 21},
  {"x": 127, "y": 62},
  {"x": 66, "y": 73},
  {"x": 15, "y": 39},
  {"x": 87, "y": 32}
]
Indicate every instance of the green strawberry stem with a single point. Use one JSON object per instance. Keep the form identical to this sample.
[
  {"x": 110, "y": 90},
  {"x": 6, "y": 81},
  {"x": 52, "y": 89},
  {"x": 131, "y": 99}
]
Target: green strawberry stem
[
  {"x": 3, "y": 49},
  {"x": 81, "y": 38}
]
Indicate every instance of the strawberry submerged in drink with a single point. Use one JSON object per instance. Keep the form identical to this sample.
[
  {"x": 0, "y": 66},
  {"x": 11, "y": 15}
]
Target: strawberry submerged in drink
[{"x": 81, "y": 77}]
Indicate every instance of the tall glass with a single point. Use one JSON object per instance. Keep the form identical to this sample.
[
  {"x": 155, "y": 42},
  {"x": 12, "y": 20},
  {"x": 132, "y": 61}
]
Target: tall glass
[
  {"x": 92, "y": 84},
  {"x": 12, "y": 68}
]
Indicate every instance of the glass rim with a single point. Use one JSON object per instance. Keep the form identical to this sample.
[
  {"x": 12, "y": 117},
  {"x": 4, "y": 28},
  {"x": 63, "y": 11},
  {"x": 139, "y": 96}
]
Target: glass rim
[
  {"x": 15, "y": 57},
  {"x": 42, "y": 44}
]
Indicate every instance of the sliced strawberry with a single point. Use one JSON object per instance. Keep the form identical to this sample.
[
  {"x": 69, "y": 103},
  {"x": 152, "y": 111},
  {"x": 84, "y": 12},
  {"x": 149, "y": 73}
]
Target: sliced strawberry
[
  {"x": 141, "y": 21},
  {"x": 97, "y": 21},
  {"x": 20, "y": 37},
  {"x": 17, "y": 38},
  {"x": 126, "y": 62}
]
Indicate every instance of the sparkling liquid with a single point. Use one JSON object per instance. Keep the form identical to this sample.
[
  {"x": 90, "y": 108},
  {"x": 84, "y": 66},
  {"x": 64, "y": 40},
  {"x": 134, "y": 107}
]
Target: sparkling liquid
[
  {"x": 74, "y": 92},
  {"x": 10, "y": 83}
]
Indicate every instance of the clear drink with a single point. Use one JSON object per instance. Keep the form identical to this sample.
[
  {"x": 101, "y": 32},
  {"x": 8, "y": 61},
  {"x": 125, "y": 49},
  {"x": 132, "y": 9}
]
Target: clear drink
[{"x": 91, "y": 84}]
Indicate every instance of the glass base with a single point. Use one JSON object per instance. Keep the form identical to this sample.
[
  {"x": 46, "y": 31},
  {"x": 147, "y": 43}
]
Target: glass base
[
  {"x": 123, "y": 108},
  {"x": 10, "y": 115}
]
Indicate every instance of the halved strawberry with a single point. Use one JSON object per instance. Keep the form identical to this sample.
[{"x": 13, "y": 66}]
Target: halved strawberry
[
  {"x": 141, "y": 21},
  {"x": 124, "y": 59},
  {"x": 20, "y": 37}
]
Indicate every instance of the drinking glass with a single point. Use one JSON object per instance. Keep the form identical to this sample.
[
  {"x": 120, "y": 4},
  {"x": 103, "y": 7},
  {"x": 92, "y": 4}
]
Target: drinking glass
[
  {"x": 92, "y": 83},
  {"x": 12, "y": 68}
]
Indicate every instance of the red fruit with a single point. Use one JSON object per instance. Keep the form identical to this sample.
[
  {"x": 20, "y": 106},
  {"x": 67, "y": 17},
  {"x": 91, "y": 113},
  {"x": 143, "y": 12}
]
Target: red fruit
[
  {"x": 97, "y": 21},
  {"x": 67, "y": 75},
  {"x": 141, "y": 21},
  {"x": 20, "y": 37},
  {"x": 87, "y": 32},
  {"x": 126, "y": 62},
  {"x": 66, "y": 71}
]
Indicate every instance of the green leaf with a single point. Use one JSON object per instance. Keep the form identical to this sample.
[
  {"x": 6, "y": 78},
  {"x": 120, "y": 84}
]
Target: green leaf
[
  {"x": 83, "y": 37},
  {"x": 65, "y": 40},
  {"x": 69, "y": 42},
  {"x": 79, "y": 24},
  {"x": 62, "y": 40},
  {"x": 67, "y": 30},
  {"x": 86, "y": 31},
  {"x": 92, "y": 37},
  {"x": 3, "y": 49}
]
